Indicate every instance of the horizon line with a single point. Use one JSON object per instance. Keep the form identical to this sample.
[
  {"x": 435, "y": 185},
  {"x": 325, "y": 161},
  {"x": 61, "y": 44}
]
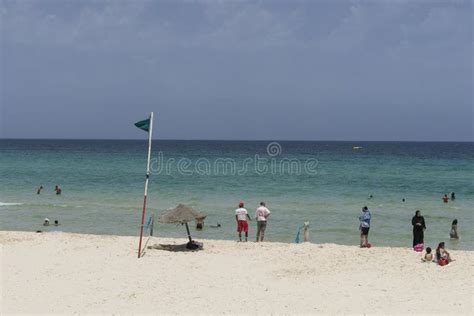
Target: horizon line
[{"x": 246, "y": 140}]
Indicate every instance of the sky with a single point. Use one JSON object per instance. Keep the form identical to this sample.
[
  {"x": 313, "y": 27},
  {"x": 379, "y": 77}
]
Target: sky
[{"x": 240, "y": 70}]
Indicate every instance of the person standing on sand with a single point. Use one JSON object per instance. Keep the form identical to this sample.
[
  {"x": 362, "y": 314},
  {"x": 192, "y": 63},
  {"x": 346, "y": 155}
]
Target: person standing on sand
[
  {"x": 241, "y": 216},
  {"x": 364, "y": 227},
  {"x": 261, "y": 215},
  {"x": 419, "y": 227}
]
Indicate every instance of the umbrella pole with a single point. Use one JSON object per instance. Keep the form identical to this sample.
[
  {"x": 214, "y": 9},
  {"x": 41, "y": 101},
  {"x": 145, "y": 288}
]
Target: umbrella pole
[{"x": 189, "y": 234}]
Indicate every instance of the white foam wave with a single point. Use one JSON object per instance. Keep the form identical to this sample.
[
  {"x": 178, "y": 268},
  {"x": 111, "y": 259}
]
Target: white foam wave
[{"x": 9, "y": 204}]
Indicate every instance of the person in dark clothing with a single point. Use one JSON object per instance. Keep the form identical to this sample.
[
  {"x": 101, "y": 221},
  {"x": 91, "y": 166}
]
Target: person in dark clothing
[{"x": 419, "y": 227}]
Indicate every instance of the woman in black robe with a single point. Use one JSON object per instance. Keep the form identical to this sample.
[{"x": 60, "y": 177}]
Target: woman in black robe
[{"x": 419, "y": 227}]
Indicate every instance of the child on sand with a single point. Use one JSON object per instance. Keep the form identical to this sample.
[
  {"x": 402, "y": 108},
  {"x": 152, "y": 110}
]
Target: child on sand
[{"x": 428, "y": 255}]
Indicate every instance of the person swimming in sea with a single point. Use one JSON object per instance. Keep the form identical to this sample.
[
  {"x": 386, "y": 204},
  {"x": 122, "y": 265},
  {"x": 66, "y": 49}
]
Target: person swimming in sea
[
  {"x": 39, "y": 190},
  {"x": 453, "y": 196},
  {"x": 56, "y": 223},
  {"x": 46, "y": 222},
  {"x": 403, "y": 200},
  {"x": 58, "y": 190},
  {"x": 453, "y": 234},
  {"x": 445, "y": 198}
]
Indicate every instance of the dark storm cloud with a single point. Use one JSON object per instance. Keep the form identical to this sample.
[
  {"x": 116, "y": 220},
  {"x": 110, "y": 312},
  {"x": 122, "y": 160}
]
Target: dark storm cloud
[{"x": 395, "y": 70}]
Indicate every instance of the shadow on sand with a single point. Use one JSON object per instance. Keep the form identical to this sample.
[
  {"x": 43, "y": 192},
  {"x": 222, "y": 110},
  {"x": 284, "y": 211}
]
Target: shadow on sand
[{"x": 178, "y": 248}]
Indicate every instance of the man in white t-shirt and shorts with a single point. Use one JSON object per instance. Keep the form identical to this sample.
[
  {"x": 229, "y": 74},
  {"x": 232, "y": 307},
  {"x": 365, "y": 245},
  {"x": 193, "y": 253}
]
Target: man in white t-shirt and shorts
[
  {"x": 241, "y": 216},
  {"x": 261, "y": 215}
]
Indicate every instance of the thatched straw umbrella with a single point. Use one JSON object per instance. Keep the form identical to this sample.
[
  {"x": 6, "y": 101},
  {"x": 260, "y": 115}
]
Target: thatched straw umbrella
[{"x": 181, "y": 214}]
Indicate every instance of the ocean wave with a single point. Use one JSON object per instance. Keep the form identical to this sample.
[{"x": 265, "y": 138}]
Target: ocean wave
[
  {"x": 38, "y": 205},
  {"x": 49, "y": 205},
  {"x": 9, "y": 204}
]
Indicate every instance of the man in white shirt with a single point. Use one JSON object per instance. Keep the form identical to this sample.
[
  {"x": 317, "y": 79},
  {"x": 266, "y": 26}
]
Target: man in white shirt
[
  {"x": 261, "y": 215},
  {"x": 241, "y": 216}
]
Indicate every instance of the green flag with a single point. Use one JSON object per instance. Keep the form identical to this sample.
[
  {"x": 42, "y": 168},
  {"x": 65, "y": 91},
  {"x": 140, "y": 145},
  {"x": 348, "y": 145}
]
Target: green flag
[{"x": 144, "y": 125}]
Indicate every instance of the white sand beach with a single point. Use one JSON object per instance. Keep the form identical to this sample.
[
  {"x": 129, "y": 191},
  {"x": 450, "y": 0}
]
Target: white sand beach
[{"x": 73, "y": 273}]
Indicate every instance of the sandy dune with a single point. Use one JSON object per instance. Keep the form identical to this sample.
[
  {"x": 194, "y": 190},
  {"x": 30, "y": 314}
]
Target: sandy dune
[{"x": 73, "y": 273}]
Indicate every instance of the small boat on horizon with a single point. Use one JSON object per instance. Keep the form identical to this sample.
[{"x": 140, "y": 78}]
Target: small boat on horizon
[{"x": 357, "y": 147}]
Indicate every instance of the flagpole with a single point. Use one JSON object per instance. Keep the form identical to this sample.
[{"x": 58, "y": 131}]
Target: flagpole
[{"x": 150, "y": 132}]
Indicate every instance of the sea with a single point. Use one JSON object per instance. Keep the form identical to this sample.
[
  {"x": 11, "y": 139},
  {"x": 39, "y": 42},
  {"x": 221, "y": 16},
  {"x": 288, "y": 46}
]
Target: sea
[{"x": 324, "y": 183}]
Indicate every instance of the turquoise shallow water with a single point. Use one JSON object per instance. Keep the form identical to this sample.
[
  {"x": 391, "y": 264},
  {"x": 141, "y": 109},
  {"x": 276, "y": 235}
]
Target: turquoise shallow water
[{"x": 326, "y": 183}]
